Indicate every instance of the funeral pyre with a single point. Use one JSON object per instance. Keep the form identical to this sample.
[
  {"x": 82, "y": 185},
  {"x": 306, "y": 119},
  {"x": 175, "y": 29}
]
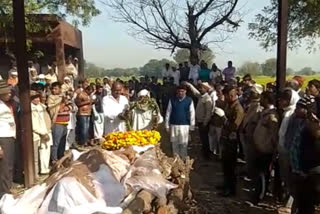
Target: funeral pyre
[{"x": 133, "y": 179}]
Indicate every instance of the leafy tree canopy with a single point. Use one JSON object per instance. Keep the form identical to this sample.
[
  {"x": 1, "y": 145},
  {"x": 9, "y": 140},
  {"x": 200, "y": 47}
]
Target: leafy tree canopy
[
  {"x": 154, "y": 67},
  {"x": 269, "y": 67},
  {"x": 252, "y": 68},
  {"x": 306, "y": 71},
  {"x": 81, "y": 11},
  {"x": 183, "y": 55},
  {"x": 303, "y": 24}
]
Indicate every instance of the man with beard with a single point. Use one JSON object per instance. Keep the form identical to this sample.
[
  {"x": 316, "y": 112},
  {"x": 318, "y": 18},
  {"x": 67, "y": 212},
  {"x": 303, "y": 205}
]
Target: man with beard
[{"x": 145, "y": 112}]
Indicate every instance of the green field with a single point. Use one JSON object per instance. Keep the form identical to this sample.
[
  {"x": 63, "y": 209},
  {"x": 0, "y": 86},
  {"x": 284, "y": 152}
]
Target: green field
[{"x": 263, "y": 80}]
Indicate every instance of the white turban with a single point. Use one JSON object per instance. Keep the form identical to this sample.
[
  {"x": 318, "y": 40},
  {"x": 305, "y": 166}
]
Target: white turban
[
  {"x": 206, "y": 85},
  {"x": 144, "y": 92}
]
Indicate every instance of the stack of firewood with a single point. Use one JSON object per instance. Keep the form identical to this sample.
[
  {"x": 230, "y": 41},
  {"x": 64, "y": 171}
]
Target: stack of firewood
[{"x": 178, "y": 200}]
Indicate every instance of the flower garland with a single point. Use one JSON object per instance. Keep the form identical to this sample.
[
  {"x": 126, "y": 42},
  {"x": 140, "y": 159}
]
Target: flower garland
[
  {"x": 118, "y": 140},
  {"x": 144, "y": 104}
]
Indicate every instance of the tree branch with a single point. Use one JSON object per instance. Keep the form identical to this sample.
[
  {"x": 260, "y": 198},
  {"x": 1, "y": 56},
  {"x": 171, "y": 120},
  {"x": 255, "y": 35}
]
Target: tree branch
[
  {"x": 219, "y": 22},
  {"x": 205, "y": 8}
]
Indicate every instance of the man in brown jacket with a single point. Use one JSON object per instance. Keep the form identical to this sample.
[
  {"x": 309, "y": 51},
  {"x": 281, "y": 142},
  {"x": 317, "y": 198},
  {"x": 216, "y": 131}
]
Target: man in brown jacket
[{"x": 234, "y": 113}]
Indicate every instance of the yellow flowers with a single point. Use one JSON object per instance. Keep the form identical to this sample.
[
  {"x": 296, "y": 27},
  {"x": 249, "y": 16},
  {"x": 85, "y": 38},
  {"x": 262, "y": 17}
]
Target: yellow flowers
[{"x": 117, "y": 140}]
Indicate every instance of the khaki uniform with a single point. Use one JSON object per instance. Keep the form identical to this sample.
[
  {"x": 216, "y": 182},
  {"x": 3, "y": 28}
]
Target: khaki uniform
[
  {"x": 248, "y": 126},
  {"x": 234, "y": 114}
]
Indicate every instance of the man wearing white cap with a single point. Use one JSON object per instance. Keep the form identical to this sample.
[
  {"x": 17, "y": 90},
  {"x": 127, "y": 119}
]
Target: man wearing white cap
[
  {"x": 203, "y": 114},
  {"x": 33, "y": 75},
  {"x": 51, "y": 76},
  {"x": 145, "y": 112},
  {"x": 13, "y": 78},
  {"x": 41, "y": 79},
  {"x": 67, "y": 85}
]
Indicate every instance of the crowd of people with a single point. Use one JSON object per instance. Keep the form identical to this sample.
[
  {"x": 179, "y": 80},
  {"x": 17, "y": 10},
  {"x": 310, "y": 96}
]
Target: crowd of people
[{"x": 235, "y": 118}]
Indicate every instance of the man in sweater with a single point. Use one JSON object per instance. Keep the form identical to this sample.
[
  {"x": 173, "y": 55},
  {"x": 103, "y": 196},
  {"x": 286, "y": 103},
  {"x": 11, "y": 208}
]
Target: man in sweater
[
  {"x": 7, "y": 139},
  {"x": 203, "y": 114},
  {"x": 59, "y": 109},
  {"x": 180, "y": 118}
]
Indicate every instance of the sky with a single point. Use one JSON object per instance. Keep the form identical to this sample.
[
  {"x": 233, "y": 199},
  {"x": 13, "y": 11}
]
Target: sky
[{"x": 107, "y": 44}]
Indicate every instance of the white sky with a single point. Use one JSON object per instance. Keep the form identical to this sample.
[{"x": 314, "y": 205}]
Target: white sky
[{"x": 107, "y": 44}]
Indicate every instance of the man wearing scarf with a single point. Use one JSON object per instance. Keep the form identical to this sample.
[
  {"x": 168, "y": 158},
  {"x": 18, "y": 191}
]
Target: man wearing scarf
[{"x": 145, "y": 112}]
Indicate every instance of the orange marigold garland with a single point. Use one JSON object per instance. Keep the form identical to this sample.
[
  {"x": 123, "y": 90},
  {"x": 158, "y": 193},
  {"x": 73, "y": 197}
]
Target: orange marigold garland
[{"x": 118, "y": 140}]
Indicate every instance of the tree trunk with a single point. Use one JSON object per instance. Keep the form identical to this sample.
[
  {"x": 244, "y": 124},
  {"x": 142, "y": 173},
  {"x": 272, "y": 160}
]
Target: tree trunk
[{"x": 194, "y": 55}]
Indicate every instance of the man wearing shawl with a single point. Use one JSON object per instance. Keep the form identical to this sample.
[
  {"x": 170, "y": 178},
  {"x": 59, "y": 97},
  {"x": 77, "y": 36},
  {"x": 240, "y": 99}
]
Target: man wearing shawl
[{"x": 145, "y": 112}]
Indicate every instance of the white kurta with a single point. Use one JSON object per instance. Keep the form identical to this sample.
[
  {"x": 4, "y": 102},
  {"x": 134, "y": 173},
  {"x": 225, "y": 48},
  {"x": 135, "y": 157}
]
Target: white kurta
[
  {"x": 142, "y": 120},
  {"x": 179, "y": 134},
  {"x": 176, "y": 77},
  {"x": 194, "y": 73},
  {"x": 112, "y": 108},
  {"x": 98, "y": 126}
]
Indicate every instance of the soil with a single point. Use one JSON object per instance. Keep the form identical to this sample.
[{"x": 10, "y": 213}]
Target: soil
[{"x": 206, "y": 175}]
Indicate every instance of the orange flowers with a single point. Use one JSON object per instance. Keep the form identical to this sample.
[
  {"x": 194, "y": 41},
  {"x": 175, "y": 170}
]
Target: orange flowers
[{"x": 117, "y": 140}]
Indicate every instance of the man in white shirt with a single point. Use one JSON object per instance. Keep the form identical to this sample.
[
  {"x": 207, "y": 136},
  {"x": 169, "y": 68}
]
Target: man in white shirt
[
  {"x": 7, "y": 139},
  {"x": 166, "y": 72},
  {"x": 176, "y": 75},
  {"x": 114, "y": 106},
  {"x": 194, "y": 72}
]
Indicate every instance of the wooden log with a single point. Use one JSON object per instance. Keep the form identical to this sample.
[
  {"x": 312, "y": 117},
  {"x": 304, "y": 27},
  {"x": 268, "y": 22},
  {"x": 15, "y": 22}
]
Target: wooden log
[{"x": 142, "y": 203}]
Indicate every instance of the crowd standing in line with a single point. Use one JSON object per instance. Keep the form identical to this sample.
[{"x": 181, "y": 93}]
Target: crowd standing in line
[{"x": 278, "y": 137}]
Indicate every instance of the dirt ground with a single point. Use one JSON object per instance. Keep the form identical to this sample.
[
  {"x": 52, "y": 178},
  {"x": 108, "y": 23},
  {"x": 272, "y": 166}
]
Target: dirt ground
[{"x": 206, "y": 175}]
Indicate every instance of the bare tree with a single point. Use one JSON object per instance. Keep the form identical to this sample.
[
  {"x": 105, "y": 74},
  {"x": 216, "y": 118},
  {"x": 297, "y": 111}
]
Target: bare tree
[{"x": 171, "y": 24}]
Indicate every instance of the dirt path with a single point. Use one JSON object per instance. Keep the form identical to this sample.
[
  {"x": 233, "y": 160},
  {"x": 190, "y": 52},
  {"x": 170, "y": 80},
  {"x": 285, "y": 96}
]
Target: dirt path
[{"x": 206, "y": 175}]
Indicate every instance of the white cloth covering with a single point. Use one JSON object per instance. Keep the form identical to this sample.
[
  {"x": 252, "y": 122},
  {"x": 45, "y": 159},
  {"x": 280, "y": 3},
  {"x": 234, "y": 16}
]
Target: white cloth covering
[{"x": 112, "y": 108}]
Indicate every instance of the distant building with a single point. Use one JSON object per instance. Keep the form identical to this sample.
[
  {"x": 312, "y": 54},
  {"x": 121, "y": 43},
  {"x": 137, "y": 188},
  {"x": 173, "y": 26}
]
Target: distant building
[{"x": 57, "y": 40}]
